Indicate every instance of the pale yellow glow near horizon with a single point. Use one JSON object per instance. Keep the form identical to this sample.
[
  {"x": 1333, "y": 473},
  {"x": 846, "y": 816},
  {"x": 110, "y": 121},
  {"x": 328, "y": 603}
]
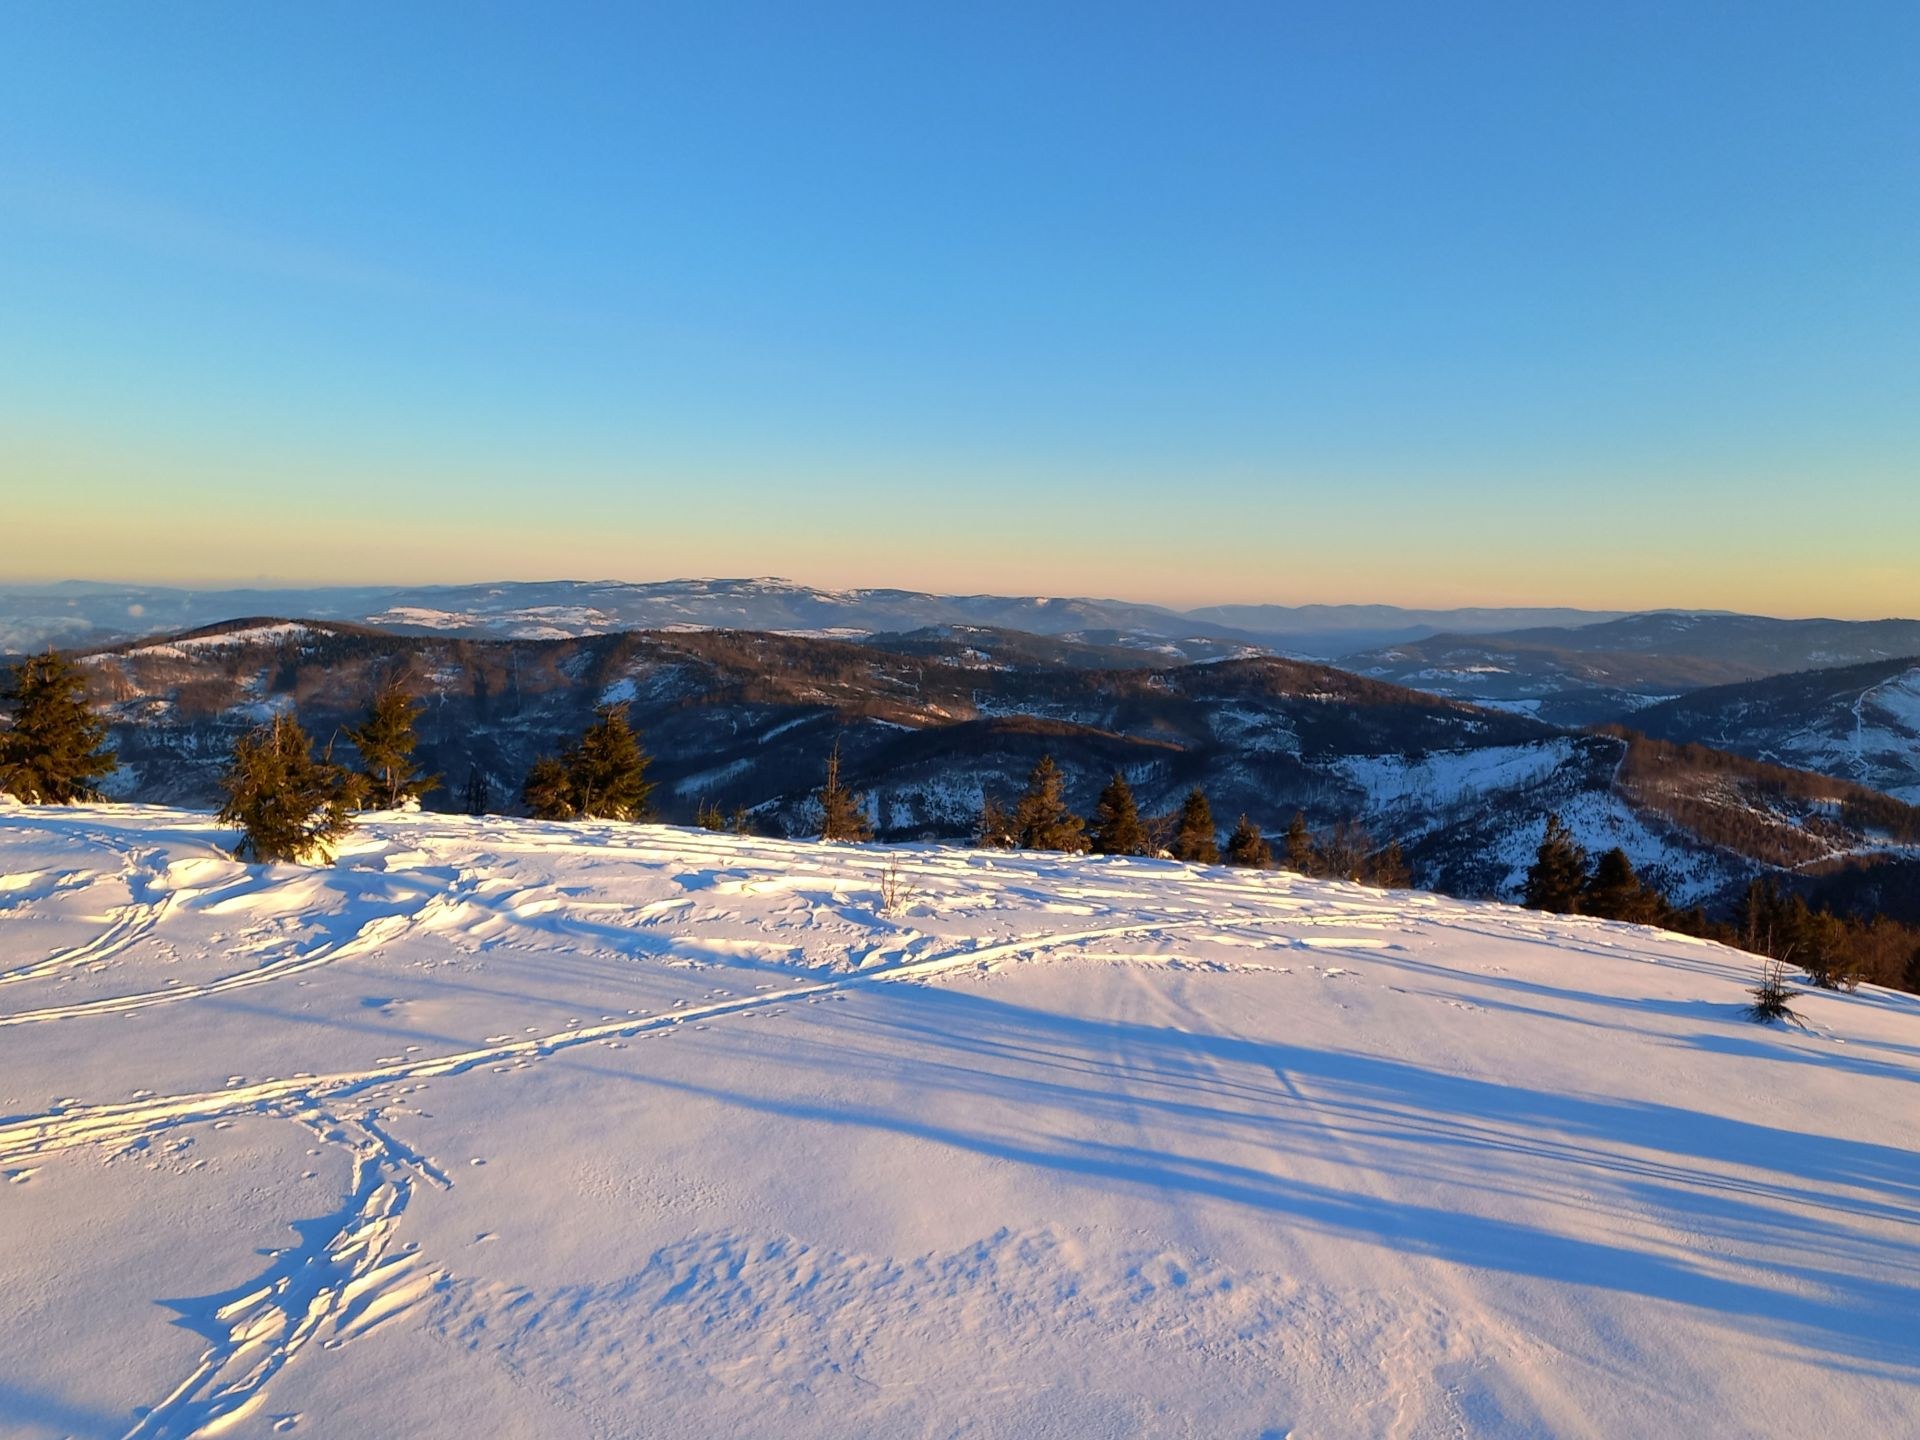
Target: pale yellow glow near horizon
[{"x": 167, "y": 515}]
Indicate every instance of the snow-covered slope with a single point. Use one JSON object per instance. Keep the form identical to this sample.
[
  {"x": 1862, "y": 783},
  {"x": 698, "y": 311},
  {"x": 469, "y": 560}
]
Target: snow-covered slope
[
  {"x": 1861, "y": 722},
  {"x": 498, "y": 1128}
]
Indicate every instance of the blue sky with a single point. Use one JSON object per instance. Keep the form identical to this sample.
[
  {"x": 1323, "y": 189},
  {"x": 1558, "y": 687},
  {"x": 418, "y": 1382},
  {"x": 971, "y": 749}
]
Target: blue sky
[{"x": 1613, "y": 305}]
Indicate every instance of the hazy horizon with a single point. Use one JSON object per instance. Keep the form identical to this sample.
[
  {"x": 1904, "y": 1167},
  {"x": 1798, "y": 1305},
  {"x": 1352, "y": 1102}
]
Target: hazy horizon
[
  {"x": 1611, "y": 309},
  {"x": 216, "y": 585}
]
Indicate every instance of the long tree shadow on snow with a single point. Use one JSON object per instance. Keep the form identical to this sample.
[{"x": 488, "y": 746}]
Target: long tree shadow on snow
[{"x": 1791, "y": 1197}]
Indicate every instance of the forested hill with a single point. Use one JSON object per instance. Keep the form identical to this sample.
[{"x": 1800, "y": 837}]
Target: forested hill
[{"x": 931, "y": 722}]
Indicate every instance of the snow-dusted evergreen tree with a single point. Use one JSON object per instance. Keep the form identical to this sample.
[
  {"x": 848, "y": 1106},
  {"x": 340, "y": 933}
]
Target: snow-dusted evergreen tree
[
  {"x": 1117, "y": 828},
  {"x": 548, "y": 790},
  {"x": 1042, "y": 821},
  {"x": 1246, "y": 847},
  {"x": 608, "y": 769},
  {"x": 56, "y": 746},
  {"x": 1559, "y": 871},
  {"x": 843, "y": 814},
  {"x": 1194, "y": 838},
  {"x": 386, "y": 741},
  {"x": 289, "y": 805}
]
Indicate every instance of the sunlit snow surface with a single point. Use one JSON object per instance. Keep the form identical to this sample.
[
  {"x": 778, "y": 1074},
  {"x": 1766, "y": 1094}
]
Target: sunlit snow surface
[{"x": 507, "y": 1129}]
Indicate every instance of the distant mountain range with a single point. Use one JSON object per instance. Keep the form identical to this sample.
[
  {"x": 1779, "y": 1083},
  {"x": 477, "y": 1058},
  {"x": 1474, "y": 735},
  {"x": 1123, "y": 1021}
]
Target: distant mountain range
[
  {"x": 88, "y": 613},
  {"x": 1592, "y": 674},
  {"x": 930, "y": 720},
  {"x": 1735, "y": 682}
]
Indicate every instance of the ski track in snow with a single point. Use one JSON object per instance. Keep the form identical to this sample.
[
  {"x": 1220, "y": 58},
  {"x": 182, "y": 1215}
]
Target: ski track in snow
[
  {"x": 344, "y": 1281},
  {"x": 34, "y": 1137}
]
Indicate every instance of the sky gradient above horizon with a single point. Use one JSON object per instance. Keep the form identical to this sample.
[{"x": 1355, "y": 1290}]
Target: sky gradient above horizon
[{"x": 1615, "y": 307}]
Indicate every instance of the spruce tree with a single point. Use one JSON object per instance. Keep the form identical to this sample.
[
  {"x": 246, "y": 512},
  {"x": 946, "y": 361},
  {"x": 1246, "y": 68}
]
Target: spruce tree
[
  {"x": 843, "y": 814},
  {"x": 548, "y": 790},
  {"x": 1195, "y": 839},
  {"x": 608, "y": 769},
  {"x": 55, "y": 748},
  {"x": 994, "y": 830},
  {"x": 1247, "y": 848},
  {"x": 289, "y": 805},
  {"x": 1117, "y": 828},
  {"x": 1302, "y": 857},
  {"x": 1773, "y": 999},
  {"x": 386, "y": 742},
  {"x": 1615, "y": 892},
  {"x": 1559, "y": 871},
  {"x": 1042, "y": 821}
]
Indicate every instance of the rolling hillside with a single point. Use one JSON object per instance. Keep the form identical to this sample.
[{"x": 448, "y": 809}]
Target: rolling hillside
[
  {"x": 930, "y": 722},
  {"x": 1857, "y": 721}
]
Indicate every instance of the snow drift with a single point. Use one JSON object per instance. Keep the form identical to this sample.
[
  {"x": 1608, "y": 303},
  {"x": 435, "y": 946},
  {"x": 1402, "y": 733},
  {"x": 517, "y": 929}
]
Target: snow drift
[{"x": 505, "y": 1128}]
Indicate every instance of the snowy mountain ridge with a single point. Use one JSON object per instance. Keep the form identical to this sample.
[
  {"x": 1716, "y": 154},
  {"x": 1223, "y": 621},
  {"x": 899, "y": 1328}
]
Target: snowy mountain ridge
[{"x": 85, "y": 613}]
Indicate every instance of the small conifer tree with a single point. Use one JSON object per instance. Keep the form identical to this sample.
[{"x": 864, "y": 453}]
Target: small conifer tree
[
  {"x": 1615, "y": 892},
  {"x": 843, "y": 814},
  {"x": 1247, "y": 848},
  {"x": 1117, "y": 828},
  {"x": 1559, "y": 871},
  {"x": 709, "y": 816},
  {"x": 289, "y": 805},
  {"x": 1302, "y": 856},
  {"x": 55, "y": 748},
  {"x": 548, "y": 790},
  {"x": 386, "y": 741},
  {"x": 1773, "y": 998},
  {"x": 994, "y": 830},
  {"x": 1194, "y": 838},
  {"x": 1042, "y": 821},
  {"x": 608, "y": 769}
]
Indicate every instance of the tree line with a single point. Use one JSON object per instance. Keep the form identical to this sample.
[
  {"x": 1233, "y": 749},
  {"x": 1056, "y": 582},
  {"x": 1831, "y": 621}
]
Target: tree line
[
  {"x": 1837, "y": 952},
  {"x": 1040, "y": 819},
  {"x": 293, "y": 804}
]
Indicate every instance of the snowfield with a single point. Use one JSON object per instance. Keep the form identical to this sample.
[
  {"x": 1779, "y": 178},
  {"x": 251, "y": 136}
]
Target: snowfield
[{"x": 498, "y": 1128}]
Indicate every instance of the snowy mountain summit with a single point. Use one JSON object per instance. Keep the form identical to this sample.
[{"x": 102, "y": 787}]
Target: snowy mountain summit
[{"x": 511, "y": 1129}]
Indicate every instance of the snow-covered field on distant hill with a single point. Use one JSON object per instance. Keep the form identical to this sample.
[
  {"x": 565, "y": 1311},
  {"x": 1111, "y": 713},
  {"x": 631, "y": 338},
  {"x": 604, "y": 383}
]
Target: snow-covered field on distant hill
[{"x": 498, "y": 1128}]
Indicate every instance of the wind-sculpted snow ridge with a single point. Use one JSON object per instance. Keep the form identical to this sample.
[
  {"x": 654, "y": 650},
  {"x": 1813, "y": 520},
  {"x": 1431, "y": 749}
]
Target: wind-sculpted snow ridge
[{"x": 505, "y": 1128}]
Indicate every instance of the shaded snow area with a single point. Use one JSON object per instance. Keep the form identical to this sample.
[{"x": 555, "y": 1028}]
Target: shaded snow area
[
  {"x": 1436, "y": 780},
  {"x": 508, "y": 1129},
  {"x": 1886, "y": 736}
]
